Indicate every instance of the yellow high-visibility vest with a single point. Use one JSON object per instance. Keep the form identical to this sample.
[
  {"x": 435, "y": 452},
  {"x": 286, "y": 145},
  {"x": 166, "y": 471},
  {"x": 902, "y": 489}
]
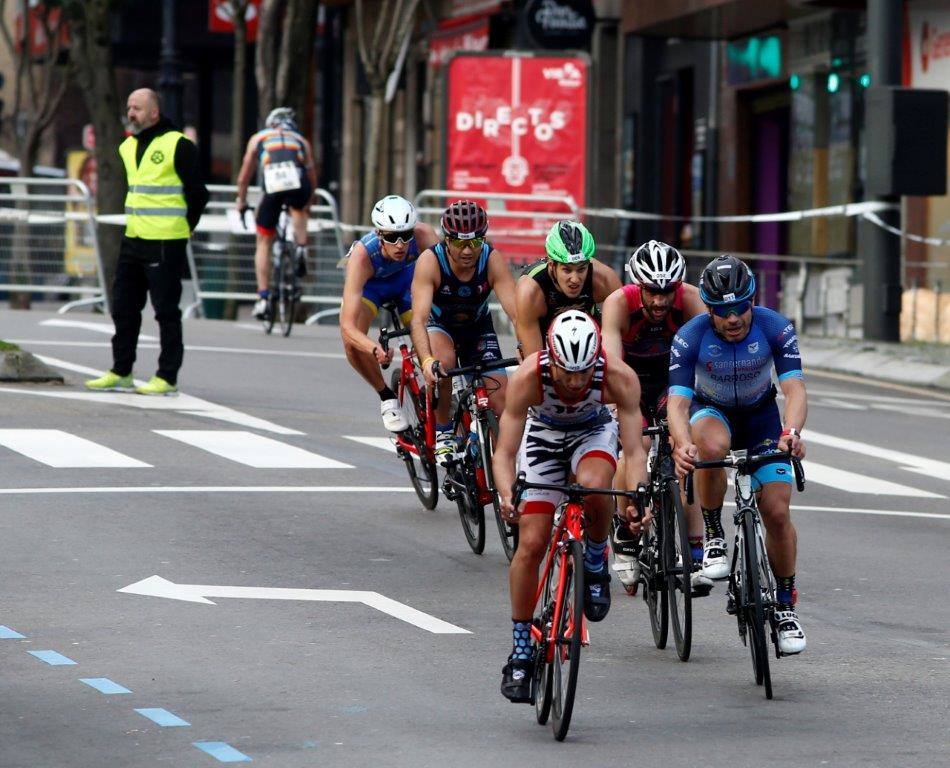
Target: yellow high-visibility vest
[{"x": 155, "y": 205}]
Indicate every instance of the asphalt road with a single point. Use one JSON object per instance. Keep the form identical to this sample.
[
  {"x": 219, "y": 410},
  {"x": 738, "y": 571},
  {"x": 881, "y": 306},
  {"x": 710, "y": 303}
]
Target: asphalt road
[{"x": 295, "y": 682}]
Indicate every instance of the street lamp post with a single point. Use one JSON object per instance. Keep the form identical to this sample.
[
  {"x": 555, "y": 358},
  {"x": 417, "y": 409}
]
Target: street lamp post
[{"x": 169, "y": 83}]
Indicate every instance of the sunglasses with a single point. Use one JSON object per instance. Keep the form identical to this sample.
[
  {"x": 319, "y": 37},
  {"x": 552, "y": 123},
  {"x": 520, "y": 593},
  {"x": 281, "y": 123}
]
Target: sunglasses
[
  {"x": 724, "y": 310},
  {"x": 474, "y": 242},
  {"x": 395, "y": 237}
]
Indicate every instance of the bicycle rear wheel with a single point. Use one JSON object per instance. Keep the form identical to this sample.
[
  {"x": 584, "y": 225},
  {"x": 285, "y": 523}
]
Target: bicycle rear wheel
[
  {"x": 679, "y": 570},
  {"x": 543, "y": 671},
  {"x": 567, "y": 633},
  {"x": 754, "y": 610},
  {"x": 655, "y": 594},
  {"x": 287, "y": 301},
  {"x": 421, "y": 469},
  {"x": 471, "y": 512},
  {"x": 487, "y": 438},
  {"x": 270, "y": 314}
]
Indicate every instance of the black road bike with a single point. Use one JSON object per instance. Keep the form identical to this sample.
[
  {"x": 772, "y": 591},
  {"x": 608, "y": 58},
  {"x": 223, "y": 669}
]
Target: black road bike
[{"x": 284, "y": 290}]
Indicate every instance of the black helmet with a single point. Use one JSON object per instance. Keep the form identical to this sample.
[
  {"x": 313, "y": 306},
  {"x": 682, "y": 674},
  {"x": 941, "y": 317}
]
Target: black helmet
[
  {"x": 726, "y": 280},
  {"x": 465, "y": 219}
]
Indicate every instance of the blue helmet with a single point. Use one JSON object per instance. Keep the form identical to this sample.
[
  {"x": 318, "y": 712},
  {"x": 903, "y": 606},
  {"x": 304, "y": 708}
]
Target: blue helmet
[{"x": 726, "y": 280}]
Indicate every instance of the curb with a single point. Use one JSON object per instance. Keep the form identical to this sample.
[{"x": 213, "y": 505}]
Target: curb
[
  {"x": 892, "y": 363},
  {"x": 21, "y": 366}
]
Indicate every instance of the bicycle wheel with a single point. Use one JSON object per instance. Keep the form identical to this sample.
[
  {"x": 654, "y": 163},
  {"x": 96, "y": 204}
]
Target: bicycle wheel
[
  {"x": 655, "y": 594},
  {"x": 754, "y": 610},
  {"x": 487, "y": 438},
  {"x": 287, "y": 301},
  {"x": 679, "y": 569},
  {"x": 270, "y": 315},
  {"x": 567, "y": 652},
  {"x": 422, "y": 471},
  {"x": 471, "y": 512},
  {"x": 543, "y": 671}
]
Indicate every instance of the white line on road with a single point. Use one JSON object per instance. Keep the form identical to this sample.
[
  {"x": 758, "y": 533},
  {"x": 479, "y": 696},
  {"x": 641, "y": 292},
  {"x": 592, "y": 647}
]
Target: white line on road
[
  {"x": 97, "y": 327},
  {"x": 205, "y": 489},
  {"x": 908, "y": 461},
  {"x": 156, "y": 586},
  {"x": 56, "y": 448},
  {"x": 831, "y": 402},
  {"x": 188, "y": 348},
  {"x": 252, "y": 450},
  {"x": 852, "y": 482},
  {"x": 385, "y": 443}
]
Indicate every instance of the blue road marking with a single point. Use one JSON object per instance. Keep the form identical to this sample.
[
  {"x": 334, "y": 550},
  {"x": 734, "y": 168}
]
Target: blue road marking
[
  {"x": 52, "y": 658},
  {"x": 8, "y": 634},
  {"x": 162, "y": 717},
  {"x": 104, "y": 685},
  {"x": 222, "y": 752}
]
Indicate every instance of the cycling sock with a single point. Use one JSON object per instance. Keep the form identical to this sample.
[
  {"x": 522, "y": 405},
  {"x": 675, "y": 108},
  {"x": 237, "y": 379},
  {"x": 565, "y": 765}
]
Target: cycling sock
[
  {"x": 787, "y": 595},
  {"x": 443, "y": 427},
  {"x": 594, "y": 555},
  {"x": 263, "y": 294},
  {"x": 521, "y": 640},
  {"x": 712, "y": 518},
  {"x": 386, "y": 394},
  {"x": 696, "y": 547}
]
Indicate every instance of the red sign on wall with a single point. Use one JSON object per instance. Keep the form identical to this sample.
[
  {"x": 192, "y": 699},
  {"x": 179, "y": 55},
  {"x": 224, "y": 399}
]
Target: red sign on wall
[
  {"x": 221, "y": 17},
  {"x": 518, "y": 124}
]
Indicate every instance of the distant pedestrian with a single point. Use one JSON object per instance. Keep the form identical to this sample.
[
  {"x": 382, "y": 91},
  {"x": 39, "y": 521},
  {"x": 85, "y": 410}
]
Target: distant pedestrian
[{"x": 165, "y": 199}]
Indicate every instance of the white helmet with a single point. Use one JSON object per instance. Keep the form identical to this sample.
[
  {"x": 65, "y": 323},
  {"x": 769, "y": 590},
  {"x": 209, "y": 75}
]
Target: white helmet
[
  {"x": 282, "y": 117},
  {"x": 394, "y": 214},
  {"x": 574, "y": 340},
  {"x": 656, "y": 265}
]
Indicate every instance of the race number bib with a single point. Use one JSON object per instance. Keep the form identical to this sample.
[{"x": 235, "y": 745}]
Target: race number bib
[{"x": 281, "y": 177}]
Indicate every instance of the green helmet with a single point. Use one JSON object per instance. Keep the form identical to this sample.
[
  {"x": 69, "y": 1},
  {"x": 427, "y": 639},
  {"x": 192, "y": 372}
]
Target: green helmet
[{"x": 569, "y": 242}]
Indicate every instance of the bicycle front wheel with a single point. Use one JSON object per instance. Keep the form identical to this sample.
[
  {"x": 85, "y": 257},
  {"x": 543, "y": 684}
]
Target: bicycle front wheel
[
  {"x": 754, "y": 609},
  {"x": 487, "y": 438},
  {"x": 287, "y": 299},
  {"x": 471, "y": 512},
  {"x": 655, "y": 594},
  {"x": 567, "y": 632},
  {"x": 679, "y": 570},
  {"x": 421, "y": 469}
]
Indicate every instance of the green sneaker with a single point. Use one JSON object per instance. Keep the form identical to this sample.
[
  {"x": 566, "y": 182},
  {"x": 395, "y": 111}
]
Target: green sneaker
[
  {"x": 157, "y": 386},
  {"x": 111, "y": 382}
]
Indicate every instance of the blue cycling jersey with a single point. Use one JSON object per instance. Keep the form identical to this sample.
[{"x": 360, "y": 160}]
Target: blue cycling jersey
[
  {"x": 734, "y": 374},
  {"x": 383, "y": 267}
]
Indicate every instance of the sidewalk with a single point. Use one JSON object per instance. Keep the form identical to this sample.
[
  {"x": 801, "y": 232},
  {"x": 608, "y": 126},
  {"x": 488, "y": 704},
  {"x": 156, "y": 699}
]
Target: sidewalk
[{"x": 913, "y": 364}]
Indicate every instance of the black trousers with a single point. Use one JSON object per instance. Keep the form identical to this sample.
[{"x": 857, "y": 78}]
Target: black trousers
[{"x": 159, "y": 276}]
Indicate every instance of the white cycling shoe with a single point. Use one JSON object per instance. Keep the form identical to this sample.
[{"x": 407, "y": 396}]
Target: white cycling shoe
[
  {"x": 791, "y": 636},
  {"x": 445, "y": 448},
  {"x": 393, "y": 418},
  {"x": 628, "y": 571},
  {"x": 260, "y": 309},
  {"x": 700, "y": 584},
  {"x": 715, "y": 559}
]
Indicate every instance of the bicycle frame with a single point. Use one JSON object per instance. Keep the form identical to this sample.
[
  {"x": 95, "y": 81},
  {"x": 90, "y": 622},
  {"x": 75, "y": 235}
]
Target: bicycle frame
[
  {"x": 747, "y": 520},
  {"x": 409, "y": 380}
]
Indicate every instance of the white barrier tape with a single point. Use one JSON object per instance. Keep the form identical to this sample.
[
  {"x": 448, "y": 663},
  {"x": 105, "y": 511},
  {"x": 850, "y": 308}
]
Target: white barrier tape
[
  {"x": 849, "y": 209},
  {"x": 878, "y": 221}
]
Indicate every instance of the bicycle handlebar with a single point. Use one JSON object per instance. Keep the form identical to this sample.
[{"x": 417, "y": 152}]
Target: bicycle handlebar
[
  {"x": 385, "y": 335},
  {"x": 745, "y": 465},
  {"x": 476, "y": 369},
  {"x": 574, "y": 491}
]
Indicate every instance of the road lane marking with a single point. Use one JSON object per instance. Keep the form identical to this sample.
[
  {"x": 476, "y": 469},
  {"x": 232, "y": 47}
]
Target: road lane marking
[
  {"x": 52, "y": 658},
  {"x": 10, "y": 634},
  {"x": 385, "y": 443},
  {"x": 156, "y": 586},
  {"x": 252, "y": 450},
  {"x": 97, "y": 327},
  {"x": 56, "y": 448},
  {"x": 862, "y": 511},
  {"x": 162, "y": 717},
  {"x": 830, "y": 402},
  {"x": 852, "y": 482},
  {"x": 906, "y": 461},
  {"x": 188, "y": 348},
  {"x": 222, "y": 752},
  {"x": 206, "y": 489},
  {"x": 104, "y": 685}
]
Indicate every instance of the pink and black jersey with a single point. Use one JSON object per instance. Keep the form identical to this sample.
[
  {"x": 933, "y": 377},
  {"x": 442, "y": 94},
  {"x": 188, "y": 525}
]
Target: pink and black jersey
[{"x": 646, "y": 344}]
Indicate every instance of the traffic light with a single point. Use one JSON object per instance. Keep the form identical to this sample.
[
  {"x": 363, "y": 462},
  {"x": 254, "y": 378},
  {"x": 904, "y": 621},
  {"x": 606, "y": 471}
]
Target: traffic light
[{"x": 834, "y": 82}]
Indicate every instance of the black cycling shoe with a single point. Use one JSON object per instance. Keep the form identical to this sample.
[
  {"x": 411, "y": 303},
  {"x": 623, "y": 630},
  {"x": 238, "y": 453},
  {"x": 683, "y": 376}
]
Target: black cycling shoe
[
  {"x": 596, "y": 608},
  {"x": 516, "y": 678},
  {"x": 301, "y": 259},
  {"x": 624, "y": 541}
]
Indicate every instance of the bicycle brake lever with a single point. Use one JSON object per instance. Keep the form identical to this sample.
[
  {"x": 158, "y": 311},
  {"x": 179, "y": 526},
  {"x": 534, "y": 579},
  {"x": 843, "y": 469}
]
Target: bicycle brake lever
[
  {"x": 799, "y": 473},
  {"x": 689, "y": 488}
]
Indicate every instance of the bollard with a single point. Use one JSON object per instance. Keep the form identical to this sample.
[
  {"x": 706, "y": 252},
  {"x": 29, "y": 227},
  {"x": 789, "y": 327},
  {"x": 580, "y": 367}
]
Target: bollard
[
  {"x": 937, "y": 311},
  {"x": 913, "y": 310}
]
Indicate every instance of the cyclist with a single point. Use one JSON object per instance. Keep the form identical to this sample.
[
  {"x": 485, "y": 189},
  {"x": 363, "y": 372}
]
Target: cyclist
[
  {"x": 640, "y": 320},
  {"x": 379, "y": 269},
  {"x": 450, "y": 317},
  {"x": 556, "y": 409},
  {"x": 569, "y": 276},
  {"x": 721, "y": 396},
  {"x": 289, "y": 174}
]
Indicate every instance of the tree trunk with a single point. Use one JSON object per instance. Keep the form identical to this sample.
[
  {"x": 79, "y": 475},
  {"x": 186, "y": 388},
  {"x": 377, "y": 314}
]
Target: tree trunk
[
  {"x": 91, "y": 56},
  {"x": 265, "y": 64},
  {"x": 238, "y": 87},
  {"x": 374, "y": 120},
  {"x": 296, "y": 56}
]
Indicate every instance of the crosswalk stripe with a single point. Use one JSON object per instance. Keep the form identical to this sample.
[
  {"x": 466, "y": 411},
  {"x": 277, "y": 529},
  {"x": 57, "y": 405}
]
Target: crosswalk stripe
[
  {"x": 852, "y": 482},
  {"x": 252, "y": 450},
  {"x": 384, "y": 443},
  {"x": 63, "y": 450},
  {"x": 907, "y": 461}
]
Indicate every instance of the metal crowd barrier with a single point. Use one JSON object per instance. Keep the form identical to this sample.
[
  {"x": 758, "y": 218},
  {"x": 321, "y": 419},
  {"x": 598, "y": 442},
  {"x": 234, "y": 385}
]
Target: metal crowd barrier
[
  {"x": 48, "y": 241},
  {"x": 222, "y": 261}
]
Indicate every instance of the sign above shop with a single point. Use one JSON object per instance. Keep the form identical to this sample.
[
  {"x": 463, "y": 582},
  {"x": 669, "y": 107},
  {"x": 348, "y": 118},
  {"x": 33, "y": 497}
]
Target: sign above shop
[
  {"x": 560, "y": 23},
  {"x": 756, "y": 58}
]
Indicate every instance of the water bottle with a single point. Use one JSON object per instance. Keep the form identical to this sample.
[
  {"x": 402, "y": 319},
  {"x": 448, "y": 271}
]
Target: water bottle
[{"x": 473, "y": 441}]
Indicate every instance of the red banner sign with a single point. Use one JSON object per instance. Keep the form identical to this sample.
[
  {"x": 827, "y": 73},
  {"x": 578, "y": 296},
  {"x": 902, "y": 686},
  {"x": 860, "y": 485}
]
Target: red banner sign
[
  {"x": 221, "y": 17},
  {"x": 518, "y": 124}
]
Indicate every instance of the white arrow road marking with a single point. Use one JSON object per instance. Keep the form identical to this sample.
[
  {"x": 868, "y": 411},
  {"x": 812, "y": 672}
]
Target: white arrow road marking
[
  {"x": 97, "y": 327},
  {"x": 385, "y": 443},
  {"x": 252, "y": 450},
  {"x": 156, "y": 586},
  {"x": 56, "y": 448},
  {"x": 852, "y": 482},
  {"x": 205, "y": 489},
  {"x": 910, "y": 462},
  {"x": 831, "y": 402}
]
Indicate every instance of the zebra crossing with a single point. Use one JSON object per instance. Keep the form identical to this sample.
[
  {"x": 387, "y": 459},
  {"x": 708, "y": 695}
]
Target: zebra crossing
[{"x": 59, "y": 449}]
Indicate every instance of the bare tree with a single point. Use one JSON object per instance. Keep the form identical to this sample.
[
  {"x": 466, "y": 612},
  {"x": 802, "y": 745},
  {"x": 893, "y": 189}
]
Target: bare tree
[
  {"x": 239, "y": 14},
  {"x": 382, "y": 52},
  {"x": 91, "y": 55},
  {"x": 284, "y": 61}
]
